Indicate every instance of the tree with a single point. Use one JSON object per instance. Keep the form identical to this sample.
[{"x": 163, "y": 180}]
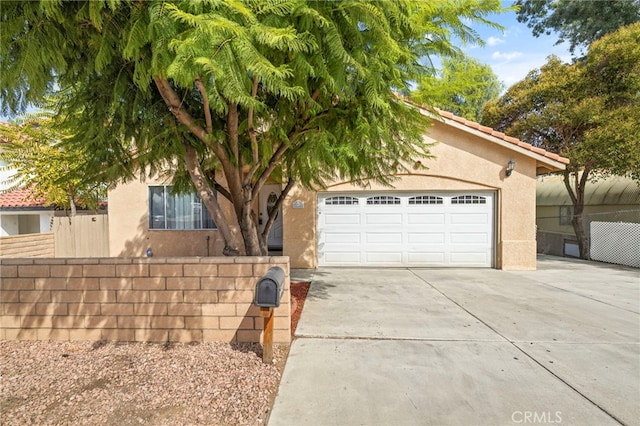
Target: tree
[
  {"x": 579, "y": 22},
  {"x": 291, "y": 91},
  {"x": 462, "y": 87},
  {"x": 588, "y": 112},
  {"x": 35, "y": 149}
]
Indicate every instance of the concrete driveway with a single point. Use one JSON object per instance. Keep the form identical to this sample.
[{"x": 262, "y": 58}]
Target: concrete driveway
[{"x": 560, "y": 345}]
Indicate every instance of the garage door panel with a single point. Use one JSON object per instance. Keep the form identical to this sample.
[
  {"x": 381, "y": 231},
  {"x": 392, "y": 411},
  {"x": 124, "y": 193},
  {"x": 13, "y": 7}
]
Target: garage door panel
[
  {"x": 383, "y": 219},
  {"x": 441, "y": 229},
  {"x": 426, "y": 218},
  {"x": 426, "y": 238},
  {"x": 347, "y": 258},
  {"x": 384, "y": 258},
  {"x": 468, "y": 238},
  {"x": 469, "y": 218},
  {"x": 426, "y": 258},
  {"x": 339, "y": 238},
  {"x": 384, "y": 238},
  {"x": 342, "y": 219},
  {"x": 468, "y": 258}
]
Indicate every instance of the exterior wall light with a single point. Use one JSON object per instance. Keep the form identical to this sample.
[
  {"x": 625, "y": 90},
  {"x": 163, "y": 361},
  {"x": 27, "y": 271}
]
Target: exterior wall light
[{"x": 511, "y": 165}]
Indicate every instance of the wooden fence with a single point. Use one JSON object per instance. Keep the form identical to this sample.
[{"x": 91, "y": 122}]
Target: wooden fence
[
  {"x": 28, "y": 245},
  {"x": 81, "y": 236}
]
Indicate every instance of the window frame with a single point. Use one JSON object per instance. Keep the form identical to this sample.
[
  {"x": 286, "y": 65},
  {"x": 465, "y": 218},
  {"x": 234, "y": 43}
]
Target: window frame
[{"x": 166, "y": 193}]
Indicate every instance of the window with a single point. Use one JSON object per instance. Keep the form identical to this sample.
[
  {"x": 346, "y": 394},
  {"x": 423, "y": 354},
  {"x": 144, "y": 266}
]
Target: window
[
  {"x": 177, "y": 211},
  {"x": 425, "y": 199},
  {"x": 382, "y": 200},
  {"x": 341, "y": 201},
  {"x": 468, "y": 199},
  {"x": 566, "y": 214}
]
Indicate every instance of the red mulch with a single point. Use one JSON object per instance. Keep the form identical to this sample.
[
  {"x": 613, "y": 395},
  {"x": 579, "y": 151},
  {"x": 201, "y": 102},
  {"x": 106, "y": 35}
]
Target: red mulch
[{"x": 299, "y": 292}]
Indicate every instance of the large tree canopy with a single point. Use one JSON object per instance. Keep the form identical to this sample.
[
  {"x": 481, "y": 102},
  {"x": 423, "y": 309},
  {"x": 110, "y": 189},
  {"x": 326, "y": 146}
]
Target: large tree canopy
[
  {"x": 579, "y": 22},
  {"x": 588, "y": 111},
  {"x": 462, "y": 87},
  {"x": 292, "y": 91}
]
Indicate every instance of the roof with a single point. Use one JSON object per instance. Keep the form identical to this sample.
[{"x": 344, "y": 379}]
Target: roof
[
  {"x": 546, "y": 161},
  {"x": 21, "y": 198},
  {"x": 614, "y": 190}
]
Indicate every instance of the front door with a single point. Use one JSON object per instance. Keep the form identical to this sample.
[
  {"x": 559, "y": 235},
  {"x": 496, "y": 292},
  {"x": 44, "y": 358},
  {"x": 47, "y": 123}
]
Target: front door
[{"x": 268, "y": 197}]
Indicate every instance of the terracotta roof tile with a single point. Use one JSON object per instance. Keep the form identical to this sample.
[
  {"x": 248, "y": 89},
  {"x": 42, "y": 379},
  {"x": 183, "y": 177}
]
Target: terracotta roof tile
[
  {"x": 497, "y": 134},
  {"x": 20, "y": 198},
  {"x": 500, "y": 135},
  {"x": 490, "y": 131}
]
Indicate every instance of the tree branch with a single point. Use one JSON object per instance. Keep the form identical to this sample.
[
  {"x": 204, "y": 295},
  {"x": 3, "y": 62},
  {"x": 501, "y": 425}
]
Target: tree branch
[
  {"x": 252, "y": 137},
  {"x": 293, "y": 134},
  {"x": 205, "y": 104},
  {"x": 175, "y": 107},
  {"x": 276, "y": 208}
]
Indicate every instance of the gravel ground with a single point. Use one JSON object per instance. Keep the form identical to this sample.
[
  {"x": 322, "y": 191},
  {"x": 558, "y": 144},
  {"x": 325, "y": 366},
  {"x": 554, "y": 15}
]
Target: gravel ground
[{"x": 84, "y": 383}]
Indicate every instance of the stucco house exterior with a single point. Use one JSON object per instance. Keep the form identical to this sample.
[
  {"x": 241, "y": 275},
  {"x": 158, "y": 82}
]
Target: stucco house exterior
[
  {"x": 473, "y": 207},
  {"x": 21, "y": 214}
]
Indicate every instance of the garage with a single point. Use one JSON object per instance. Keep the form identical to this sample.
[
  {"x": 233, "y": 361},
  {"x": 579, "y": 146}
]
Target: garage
[{"x": 431, "y": 229}]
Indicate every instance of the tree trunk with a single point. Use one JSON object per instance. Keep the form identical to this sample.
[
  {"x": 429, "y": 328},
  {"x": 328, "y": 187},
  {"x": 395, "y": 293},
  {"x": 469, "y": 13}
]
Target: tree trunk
[
  {"x": 211, "y": 203},
  {"x": 249, "y": 228},
  {"x": 577, "y": 199},
  {"x": 72, "y": 206}
]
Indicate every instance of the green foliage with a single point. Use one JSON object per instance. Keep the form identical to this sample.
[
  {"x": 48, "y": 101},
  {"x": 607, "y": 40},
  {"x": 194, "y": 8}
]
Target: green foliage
[
  {"x": 462, "y": 87},
  {"x": 291, "y": 90},
  {"x": 35, "y": 149},
  {"x": 580, "y": 22},
  {"x": 588, "y": 112}
]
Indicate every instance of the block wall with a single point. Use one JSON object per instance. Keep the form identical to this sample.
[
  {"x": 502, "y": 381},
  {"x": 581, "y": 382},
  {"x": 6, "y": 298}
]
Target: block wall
[
  {"x": 138, "y": 299},
  {"x": 27, "y": 245}
]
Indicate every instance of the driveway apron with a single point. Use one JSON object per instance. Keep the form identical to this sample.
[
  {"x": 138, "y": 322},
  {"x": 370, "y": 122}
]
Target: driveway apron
[{"x": 560, "y": 345}]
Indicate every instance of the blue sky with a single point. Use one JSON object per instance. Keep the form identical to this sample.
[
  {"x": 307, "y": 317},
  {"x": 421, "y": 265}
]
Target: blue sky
[{"x": 514, "y": 52}]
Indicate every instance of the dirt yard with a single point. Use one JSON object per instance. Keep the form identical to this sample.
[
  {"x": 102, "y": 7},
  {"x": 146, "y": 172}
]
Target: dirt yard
[{"x": 100, "y": 383}]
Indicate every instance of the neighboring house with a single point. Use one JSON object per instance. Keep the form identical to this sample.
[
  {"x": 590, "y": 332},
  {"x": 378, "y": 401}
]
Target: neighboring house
[
  {"x": 20, "y": 213},
  {"x": 613, "y": 200},
  {"x": 466, "y": 210}
]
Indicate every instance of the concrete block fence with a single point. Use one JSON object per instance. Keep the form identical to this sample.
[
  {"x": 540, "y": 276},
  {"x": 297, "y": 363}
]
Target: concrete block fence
[{"x": 138, "y": 299}]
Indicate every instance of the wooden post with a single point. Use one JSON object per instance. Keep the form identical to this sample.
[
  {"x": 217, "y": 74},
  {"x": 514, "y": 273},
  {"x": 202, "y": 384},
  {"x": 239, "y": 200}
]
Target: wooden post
[{"x": 267, "y": 338}]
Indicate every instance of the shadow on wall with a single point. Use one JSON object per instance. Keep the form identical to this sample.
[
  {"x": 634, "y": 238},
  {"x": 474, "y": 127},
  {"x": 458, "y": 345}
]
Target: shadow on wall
[{"x": 170, "y": 242}]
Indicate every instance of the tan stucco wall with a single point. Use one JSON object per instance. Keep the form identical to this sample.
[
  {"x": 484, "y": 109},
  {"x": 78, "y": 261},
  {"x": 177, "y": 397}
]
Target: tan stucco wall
[
  {"x": 462, "y": 162},
  {"x": 129, "y": 233}
]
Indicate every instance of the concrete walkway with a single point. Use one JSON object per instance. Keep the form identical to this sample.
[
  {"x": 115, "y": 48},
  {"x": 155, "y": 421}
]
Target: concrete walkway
[{"x": 560, "y": 345}]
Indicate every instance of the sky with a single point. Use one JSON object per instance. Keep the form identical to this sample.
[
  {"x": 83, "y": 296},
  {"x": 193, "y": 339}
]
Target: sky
[{"x": 514, "y": 52}]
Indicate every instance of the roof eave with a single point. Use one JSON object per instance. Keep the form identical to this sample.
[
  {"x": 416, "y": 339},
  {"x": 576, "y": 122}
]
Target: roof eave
[{"x": 544, "y": 164}]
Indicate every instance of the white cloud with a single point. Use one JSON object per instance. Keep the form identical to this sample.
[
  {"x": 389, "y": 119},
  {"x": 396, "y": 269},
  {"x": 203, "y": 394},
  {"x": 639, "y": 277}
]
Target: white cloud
[
  {"x": 494, "y": 41},
  {"x": 507, "y": 56}
]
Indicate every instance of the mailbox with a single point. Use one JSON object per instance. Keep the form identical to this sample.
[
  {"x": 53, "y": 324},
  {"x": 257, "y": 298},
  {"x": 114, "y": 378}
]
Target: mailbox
[{"x": 269, "y": 288}]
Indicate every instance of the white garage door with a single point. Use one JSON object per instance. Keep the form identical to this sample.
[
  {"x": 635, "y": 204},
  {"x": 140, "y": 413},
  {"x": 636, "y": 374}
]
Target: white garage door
[{"x": 398, "y": 229}]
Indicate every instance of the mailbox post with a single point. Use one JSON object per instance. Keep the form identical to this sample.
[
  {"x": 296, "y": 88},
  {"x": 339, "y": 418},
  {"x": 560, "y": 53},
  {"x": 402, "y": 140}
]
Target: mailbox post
[{"x": 268, "y": 293}]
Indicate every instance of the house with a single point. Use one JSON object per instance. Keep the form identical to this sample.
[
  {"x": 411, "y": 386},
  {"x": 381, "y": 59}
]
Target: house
[
  {"x": 21, "y": 213},
  {"x": 473, "y": 207},
  {"x": 615, "y": 199}
]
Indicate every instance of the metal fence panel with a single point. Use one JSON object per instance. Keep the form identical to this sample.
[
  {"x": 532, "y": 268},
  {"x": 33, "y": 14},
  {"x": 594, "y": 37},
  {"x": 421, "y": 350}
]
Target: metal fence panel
[{"x": 616, "y": 242}]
